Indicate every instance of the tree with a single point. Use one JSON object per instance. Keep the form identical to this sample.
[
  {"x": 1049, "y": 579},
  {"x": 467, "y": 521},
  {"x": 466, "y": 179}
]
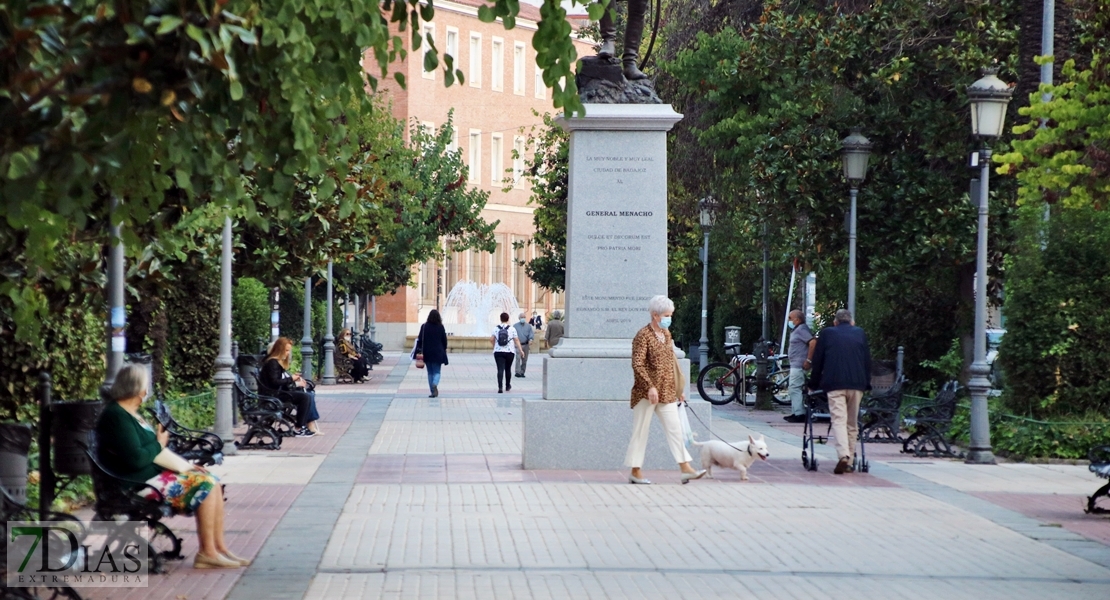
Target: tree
[
  {"x": 768, "y": 99},
  {"x": 547, "y": 171},
  {"x": 144, "y": 100}
]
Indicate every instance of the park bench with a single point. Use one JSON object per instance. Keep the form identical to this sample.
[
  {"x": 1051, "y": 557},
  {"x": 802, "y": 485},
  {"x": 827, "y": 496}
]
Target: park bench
[
  {"x": 930, "y": 422},
  {"x": 198, "y": 447},
  {"x": 11, "y": 510},
  {"x": 288, "y": 409},
  {"x": 117, "y": 497},
  {"x": 880, "y": 415},
  {"x": 264, "y": 417},
  {"x": 343, "y": 366},
  {"x": 1100, "y": 465}
]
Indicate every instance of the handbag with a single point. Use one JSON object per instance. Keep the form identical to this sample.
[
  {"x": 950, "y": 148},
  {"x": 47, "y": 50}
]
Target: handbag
[
  {"x": 681, "y": 387},
  {"x": 684, "y": 421},
  {"x": 419, "y": 360}
]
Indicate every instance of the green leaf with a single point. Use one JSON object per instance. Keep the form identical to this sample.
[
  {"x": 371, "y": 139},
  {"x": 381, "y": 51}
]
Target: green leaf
[
  {"x": 485, "y": 14},
  {"x": 236, "y": 90},
  {"x": 400, "y": 77},
  {"x": 168, "y": 23}
]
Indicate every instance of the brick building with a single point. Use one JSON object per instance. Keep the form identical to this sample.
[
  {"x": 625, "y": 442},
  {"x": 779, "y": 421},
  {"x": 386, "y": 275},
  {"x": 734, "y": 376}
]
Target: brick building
[{"x": 493, "y": 111}]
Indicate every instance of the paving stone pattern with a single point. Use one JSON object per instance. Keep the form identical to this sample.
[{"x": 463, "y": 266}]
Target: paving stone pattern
[{"x": 411, "y": 497}]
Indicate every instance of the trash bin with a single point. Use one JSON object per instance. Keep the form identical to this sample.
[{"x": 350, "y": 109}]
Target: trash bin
[
  {"x": 72, "y": 422},
  {"x": 15, "y": 443},
  {"x": 732, "y": 339},
  {"x": 246, "y": 363}
]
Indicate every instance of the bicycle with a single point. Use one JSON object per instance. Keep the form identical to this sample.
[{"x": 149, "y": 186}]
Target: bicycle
[{"x": 720, "y": 383}]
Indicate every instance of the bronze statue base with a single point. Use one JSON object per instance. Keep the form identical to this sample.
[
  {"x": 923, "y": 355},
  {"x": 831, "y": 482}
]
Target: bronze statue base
[{"x": 602, "y": 81}]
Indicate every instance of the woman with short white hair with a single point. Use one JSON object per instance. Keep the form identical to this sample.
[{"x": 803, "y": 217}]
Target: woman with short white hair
[
  {"x": 129, "y": 446},
  {"x": 656, "y": 390}
]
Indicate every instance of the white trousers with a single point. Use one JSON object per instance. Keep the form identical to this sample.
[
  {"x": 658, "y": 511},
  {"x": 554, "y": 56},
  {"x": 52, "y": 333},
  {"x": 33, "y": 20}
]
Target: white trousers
[
  {"x": 641, "y": 427},
  {"x": 844, "y": 410}
]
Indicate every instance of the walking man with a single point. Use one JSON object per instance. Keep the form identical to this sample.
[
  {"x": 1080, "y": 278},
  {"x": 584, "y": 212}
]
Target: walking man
[
  {"x": 525, "y": 333},
  {"x": 842, "y": 368},
  {"x": 802, "y": 343}
]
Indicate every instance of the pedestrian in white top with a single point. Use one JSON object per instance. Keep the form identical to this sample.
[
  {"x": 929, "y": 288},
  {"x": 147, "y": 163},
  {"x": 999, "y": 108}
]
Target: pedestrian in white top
[{"x": 506, "y": 345}]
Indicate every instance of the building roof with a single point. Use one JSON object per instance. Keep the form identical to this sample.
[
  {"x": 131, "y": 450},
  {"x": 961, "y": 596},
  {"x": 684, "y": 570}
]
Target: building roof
[{"x": 528, "y": 12}]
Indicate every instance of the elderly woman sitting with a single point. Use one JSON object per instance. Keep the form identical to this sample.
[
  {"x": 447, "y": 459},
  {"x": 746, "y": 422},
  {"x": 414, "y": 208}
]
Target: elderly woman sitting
[
  {"x": 133, "y": 449},
  {"x": 655, "y": 390}
]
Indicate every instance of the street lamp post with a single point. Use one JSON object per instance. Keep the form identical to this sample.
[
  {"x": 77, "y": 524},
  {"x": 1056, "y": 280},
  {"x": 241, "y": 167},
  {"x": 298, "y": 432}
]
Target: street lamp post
[
  {"x": 856, "y": 152},
  {"x": 707, "y": 208},
  {"x": 329, "y": 339},
  {"x": 225, "y": 378},
  {"x": 989, "y": 97},
  {"x": 306, "y": 337}
]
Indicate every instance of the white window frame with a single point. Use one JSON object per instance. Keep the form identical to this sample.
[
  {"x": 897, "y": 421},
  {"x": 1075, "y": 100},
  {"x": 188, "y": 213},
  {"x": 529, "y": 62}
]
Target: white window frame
[
  {"x": 541, "y": 89},
  {"x": 428, "y": 128},
  {"x": 497, "y": 64},
  {"x": 496, "y": 160},
  {"x": 520, "y": 146},
  {"x": 452, "y": 46},
  {"x": 426, "y": 28},
  {"x": 474, "y": 153},
  {"x": 475, "y": 74},
  {"x": 453, "y": 145},
  {"x": 520, "y": 57}
]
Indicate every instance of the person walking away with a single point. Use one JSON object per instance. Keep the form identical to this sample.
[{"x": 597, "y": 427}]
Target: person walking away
[
  {"x": 800, "y": 355},
  {"x": 506, "y": 346},
  {"x": 525, "y": 334},
  {"x": 655, "y": 391},
  {"x": 554, "y": 331},
  {"x": 842, "y": 368},
  {"x": 432, "y": 343}
]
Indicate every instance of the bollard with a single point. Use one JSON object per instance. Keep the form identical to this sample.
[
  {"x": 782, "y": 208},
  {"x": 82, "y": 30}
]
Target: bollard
[{"x": 898, "y": 364}]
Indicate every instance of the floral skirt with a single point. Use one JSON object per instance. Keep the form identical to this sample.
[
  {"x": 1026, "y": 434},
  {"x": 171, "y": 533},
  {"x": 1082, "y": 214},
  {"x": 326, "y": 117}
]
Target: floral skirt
[{"x": 183, "y": 492}]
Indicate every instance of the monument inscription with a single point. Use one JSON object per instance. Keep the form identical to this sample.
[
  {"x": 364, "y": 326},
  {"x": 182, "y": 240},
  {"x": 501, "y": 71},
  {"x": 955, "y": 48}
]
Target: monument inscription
[{"x": 617, "y": 229}]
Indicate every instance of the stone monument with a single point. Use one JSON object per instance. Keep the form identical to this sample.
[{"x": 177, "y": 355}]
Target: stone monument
[{"x": 616, "y": 261}]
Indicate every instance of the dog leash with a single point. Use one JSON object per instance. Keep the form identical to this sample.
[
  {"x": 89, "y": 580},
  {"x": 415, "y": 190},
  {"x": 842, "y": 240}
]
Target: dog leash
[{"x": 686, "y": 403}]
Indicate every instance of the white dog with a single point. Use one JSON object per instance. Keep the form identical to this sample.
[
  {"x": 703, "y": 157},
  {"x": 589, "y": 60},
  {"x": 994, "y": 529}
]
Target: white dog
[{"x": 738, "y": 455}]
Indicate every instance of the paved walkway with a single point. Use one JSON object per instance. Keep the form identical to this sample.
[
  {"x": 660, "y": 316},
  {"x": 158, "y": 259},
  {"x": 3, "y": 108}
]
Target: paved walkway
[{"x": 411, "y": 497}]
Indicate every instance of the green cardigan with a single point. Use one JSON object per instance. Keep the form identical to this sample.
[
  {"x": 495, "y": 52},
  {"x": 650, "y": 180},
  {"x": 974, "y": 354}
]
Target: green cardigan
[{"x": 125, "y": 446}]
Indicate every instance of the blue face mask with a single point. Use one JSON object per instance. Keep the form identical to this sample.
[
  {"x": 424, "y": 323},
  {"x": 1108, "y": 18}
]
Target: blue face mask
[
  {"x": 665, "y": 322},
  {"x": 522, "y": 321},
  {"x": 790, "y": 325}
]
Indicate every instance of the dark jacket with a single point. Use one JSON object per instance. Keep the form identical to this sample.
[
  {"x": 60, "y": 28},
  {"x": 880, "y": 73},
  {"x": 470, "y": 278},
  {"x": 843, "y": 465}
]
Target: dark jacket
[
  {"x": 841, "y": 360},
  {"x": 125, "y": 446},
  {"x": 274, "y": 378},
  {"x": 433, "y": 343}
]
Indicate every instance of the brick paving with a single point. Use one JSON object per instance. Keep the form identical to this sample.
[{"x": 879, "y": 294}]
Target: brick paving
[{"x": 435, "y": 504}]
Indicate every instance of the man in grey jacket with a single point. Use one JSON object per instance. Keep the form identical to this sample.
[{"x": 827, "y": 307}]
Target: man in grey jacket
[{"x": 525, "y": 333}]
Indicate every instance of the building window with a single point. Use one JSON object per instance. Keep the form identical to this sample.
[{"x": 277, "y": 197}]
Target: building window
[
  {"x": 429, "y": 37},
  {"x": 518, "y": 68},
  {"x": 428, "y": 282},
  {"x": 453, "y": 145},
  {"x": 520, "y": 277},
  {"x": 452, "y": 48},
  {"x": 496, "y": 167},
  {"x": 497, "y": 76},
  {"x": 474, "y": 258},
  {"x": 475, "y": 156},
  {"x": 541, "y": 89},
  {"x": 497, "y": 272},
  {"x": 518, "y": 161},
  {"x": 452, "y": 269},
  {"x": 429, "y": 129},
  {"x": 475, "y": 59}
]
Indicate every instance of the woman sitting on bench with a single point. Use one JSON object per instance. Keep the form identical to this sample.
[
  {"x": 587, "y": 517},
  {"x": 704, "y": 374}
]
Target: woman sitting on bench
[
  {"x": 131, "y": 447},
  {"x": 289, "y": 387},
  {"x": 359, "y": 365}
]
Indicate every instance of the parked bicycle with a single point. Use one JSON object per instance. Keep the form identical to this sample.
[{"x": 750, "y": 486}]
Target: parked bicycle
[{"x": 720, "y": 383}]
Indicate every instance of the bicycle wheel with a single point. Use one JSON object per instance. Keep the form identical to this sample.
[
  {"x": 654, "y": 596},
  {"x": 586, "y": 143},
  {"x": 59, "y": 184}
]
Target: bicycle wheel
[
  {"x": 780, "y": 386},
  {"x": 717, "y": 383}
]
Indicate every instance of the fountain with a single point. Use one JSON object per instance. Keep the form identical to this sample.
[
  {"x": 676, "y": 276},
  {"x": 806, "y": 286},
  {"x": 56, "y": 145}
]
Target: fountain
[{"x": 474, "y": 309}]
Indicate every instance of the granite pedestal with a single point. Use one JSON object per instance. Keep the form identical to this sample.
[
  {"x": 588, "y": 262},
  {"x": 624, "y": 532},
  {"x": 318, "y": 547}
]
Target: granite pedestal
[{"x": 616, "y": 261}]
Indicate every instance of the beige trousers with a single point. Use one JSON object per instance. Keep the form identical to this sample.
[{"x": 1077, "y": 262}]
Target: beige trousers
[
  {"x": 641, "y": 427},
  {"x": 844, "y": 410}
]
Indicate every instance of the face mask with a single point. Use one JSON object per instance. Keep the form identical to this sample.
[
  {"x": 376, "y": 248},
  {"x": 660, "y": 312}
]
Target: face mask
[
  {"x": 665, "y": 322},
  {"x": 790, "y": 325},
  {"x": 522, "y": 321}
]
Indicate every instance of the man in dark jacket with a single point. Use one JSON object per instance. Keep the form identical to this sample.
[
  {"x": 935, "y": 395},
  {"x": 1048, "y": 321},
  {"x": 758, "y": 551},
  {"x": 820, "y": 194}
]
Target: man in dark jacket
[{"x": 842, "y": 368}]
